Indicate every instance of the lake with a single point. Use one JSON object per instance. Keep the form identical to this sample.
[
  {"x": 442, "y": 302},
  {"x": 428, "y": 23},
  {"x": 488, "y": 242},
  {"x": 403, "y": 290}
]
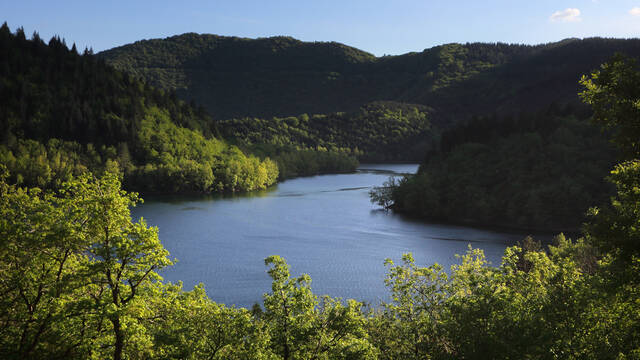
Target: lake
[{"x": 324, "y": 226}]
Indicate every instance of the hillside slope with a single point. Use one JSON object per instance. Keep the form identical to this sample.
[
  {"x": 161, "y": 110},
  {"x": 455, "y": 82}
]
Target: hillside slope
[
  {"x": 62, "y": 114},
  {"x": 281, "y": 76},
  {"x": 243, "y": 77}
]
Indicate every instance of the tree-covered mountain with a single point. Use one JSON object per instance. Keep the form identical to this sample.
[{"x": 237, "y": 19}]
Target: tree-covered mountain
[
  {"x": 62, "y": 113},
  {"x": 244, "y": 77},
  {"x": 281, "y": 76}
]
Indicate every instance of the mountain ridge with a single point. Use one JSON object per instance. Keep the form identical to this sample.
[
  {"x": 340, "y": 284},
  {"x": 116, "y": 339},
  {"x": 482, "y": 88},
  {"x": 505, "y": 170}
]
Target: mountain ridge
[{"x": 282, "y": 76}]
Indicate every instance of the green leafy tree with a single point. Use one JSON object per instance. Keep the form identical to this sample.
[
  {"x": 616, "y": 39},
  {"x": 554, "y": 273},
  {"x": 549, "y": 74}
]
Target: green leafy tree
[
  {"x": 43, "y": 308},
  {"x": 383, "y": 195},
  {"x": 74, "y": 271},
  {"x": 614, "y": 94},
  {"x": 301, "y": 327},
  {"x": 123, "y": 256},
  {"x": 288, "y": 309},
  {"x": 188, "y": 325},
  {"x": 409, "y": 327},
  {"x": 617, "y": 227}
]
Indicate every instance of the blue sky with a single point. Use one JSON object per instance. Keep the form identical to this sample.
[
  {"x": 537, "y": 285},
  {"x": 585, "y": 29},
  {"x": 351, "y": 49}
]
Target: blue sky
[{"x": 378, "y": 26}]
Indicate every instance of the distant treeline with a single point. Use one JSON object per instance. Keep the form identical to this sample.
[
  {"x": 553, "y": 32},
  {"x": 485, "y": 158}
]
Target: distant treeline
[
  {"x": 281, "y": 76},
  {"x": 380, "y": 131}
]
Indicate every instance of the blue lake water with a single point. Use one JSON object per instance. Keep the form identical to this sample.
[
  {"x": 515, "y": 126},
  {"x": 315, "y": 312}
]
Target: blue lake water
[{"x": 324, "y": 226}]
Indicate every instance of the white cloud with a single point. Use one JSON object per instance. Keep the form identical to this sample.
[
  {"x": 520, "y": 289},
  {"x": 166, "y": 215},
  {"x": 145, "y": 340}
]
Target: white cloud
[
  {"x": 635, "y": 11},
  {"x": 567, "y": 15}
]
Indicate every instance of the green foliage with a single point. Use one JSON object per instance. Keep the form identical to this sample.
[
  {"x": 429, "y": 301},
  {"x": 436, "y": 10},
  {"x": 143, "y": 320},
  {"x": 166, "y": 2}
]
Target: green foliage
[
  {"x": 578, "y": 300},
  {"x": 222, "y": 73},
  {"x": 381, "y": 131},
  {"x": 78, "y": 277},
  {"x": 303, "y": 328},
  {"x": 108, "y": 120},
  {"x": 408, "y": 327},
  {"x": 383, "y": 195},
  {"x": 43, "y": 306},
  {"x": 288, "y": 308},
  {"x": 79, "y": 281},
  {"x": 50, "y": 91},
  {"x": 188, "y": 325},
  {"x": 614, "y": 94},
  {"x": 181, "y": 160},
  {"x": 617, "y": 226},
  {"x": 292, "y": 161},
  {"x": 35, "y": 164},
  {"x": 542, "y": 171},
  {"x": 555, "y": 308},
  {"x": 79, "y": 294},
  {"x": 123, "y": 257}
]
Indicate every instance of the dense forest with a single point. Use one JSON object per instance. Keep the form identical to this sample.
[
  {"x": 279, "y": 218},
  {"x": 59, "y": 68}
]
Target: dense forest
[
  {"x": 79, "y": 280},
  {"x": 63, "y": 113},
  {"x": 380, "y": 131},
  {"x": 533, "y": 170},
  {"x": 506, "y": 137},
  {"x": 536, "y": 171},
  {"x": 281, "y": 76}
]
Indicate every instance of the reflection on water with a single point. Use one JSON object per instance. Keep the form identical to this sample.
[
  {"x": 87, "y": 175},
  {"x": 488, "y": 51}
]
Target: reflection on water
[{"x": 324, "y": 226}]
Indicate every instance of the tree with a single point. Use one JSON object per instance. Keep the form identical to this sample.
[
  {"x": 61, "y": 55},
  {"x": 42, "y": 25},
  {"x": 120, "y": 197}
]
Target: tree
[
  {"x": 188, "y": 325},
  {"x": 383, "y": 195},
  {"x": 288, "y": 308},
  {"x": 614, "y": 94},
  {"x": 43, "y": 310},
  {"x": 617, "y": 227},
  {"x": 75, "y": 270},
  {"x": 303, "y": 328},
  {"x": 123, "y": 256},
  {"x": 408, "y": 326}
]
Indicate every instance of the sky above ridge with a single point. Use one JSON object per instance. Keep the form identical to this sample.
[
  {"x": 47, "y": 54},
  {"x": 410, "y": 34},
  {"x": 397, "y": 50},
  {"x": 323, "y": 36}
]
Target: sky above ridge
[{"x": 390, "y": 27}]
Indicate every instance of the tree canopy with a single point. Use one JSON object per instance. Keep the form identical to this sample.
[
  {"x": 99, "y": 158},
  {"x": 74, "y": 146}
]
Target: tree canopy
[{"x": 62, "y": 114}]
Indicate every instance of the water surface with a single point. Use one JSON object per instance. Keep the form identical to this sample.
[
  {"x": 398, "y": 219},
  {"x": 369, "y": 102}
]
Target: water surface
[{"x": 324, "y": 226}]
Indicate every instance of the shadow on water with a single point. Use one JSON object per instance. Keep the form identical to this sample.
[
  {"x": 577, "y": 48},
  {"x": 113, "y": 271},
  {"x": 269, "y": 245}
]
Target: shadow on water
[
  {"x": 546, "y": 238},
  {"x": 299, "y": 194},
  {"x": 383, "y": 172},
  {"x": 352, "y": 188},
  {"x": 205, "y": 198},
  {"x": 192, "y": 208}
]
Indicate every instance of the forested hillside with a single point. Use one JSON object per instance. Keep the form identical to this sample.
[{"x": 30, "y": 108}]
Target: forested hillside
[
  {"x": 79, "y": 280},
  {"x": 280, "y": 76},
  {"x": 536, "y": 171},
  {"x": 380, "y": 131},
  {"x": 62, "y": 113},
  {"x": 235, "y": 77}
]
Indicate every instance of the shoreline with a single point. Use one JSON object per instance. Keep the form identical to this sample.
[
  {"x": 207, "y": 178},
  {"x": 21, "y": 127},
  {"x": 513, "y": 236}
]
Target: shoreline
[{"x": 573, "y": 233}]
